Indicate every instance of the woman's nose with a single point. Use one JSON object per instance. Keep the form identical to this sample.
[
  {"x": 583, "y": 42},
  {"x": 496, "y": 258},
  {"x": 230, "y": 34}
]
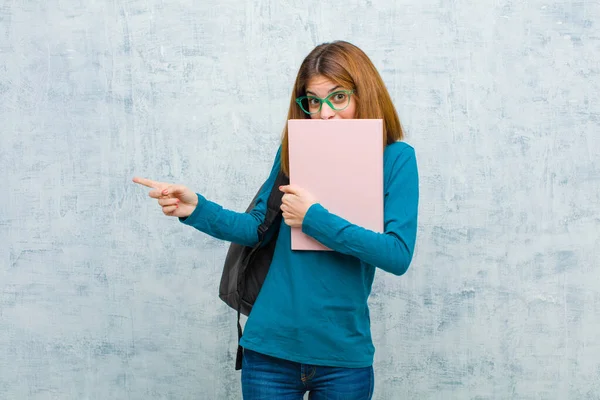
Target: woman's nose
[{"x": 327, "y": 112}]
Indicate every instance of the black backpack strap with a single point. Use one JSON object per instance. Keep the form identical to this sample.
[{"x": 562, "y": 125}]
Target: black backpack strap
[
  {"x": 240, "y": 350},
  {"x": 271, "y": 215},
  {"x": 274, "y": 201}
]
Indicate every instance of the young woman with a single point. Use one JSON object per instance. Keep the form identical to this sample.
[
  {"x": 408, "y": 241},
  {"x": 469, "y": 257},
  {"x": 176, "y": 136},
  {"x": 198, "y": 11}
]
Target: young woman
[{"x": 309, "y": 329}]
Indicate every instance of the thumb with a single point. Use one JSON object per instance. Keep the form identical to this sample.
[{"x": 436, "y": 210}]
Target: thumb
[{"x": 291, "y": 189}]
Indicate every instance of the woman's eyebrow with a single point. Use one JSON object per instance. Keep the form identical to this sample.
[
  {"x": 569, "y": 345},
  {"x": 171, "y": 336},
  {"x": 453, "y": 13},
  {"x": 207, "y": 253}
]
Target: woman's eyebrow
[{"x": 330, "y": 90}]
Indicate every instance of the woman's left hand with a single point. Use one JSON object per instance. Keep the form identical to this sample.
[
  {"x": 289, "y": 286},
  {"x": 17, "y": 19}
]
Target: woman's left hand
[{"x": 295, "y": 203}]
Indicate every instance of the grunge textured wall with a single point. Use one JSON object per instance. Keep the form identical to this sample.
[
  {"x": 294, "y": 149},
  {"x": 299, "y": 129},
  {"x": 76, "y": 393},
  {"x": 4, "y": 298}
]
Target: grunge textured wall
[{"x": 102, "y": 297}]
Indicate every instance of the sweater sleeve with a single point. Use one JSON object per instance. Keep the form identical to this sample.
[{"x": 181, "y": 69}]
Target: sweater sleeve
[
  {"x": 391, "y": 250},
  {"x": 241, "y": 228}
]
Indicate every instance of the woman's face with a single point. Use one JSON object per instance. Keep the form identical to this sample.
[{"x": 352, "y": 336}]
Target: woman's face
[{"x": 321, "y": 87}]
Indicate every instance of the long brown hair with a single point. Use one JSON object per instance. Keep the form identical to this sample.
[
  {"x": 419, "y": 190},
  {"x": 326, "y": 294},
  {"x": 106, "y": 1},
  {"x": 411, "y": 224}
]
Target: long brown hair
[{"x": 348, "y": 66}]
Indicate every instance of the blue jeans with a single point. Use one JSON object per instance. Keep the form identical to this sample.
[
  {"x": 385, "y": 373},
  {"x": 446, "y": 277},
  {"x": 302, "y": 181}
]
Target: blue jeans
[{"x": 266, "y": 377}]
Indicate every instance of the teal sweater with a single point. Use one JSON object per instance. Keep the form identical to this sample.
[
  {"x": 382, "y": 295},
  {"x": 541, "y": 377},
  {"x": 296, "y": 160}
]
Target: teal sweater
[{"x": 312, "y": 308}]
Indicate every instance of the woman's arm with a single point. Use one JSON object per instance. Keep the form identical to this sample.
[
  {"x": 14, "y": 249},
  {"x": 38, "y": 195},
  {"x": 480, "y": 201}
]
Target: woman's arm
[
  {"x": 392, "y": 250},
  {"x": 241, "y": 228}
]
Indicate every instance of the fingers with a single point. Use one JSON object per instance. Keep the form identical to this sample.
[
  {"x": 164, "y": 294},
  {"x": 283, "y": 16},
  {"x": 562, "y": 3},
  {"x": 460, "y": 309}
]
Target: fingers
[
  {"x": 289, "y": 220},
  {"x": 147, "y": 182},
  {"x": 169, "y": 210},
  {"x": 169, "y": 205},
  {"x": 156, "y": 194},
  {"x": 168, "y": 202},
  {"x": 172, "y": 190},
  {"x": 156, "y": 187},
  {"x": 287, "y": 198},
  {"x": 164, "y": 193}
]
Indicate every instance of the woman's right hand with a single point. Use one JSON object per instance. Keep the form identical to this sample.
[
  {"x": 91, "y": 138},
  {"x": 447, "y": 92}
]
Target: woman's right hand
[{"x": 175, "y": 200}]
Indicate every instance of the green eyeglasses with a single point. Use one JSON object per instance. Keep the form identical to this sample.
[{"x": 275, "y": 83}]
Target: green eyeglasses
[{"x": 337, "y": 100}]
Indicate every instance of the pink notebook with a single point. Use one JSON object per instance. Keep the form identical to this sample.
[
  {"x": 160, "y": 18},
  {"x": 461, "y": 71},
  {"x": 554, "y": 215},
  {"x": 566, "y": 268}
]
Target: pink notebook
[{"x": 340, "y": 162}]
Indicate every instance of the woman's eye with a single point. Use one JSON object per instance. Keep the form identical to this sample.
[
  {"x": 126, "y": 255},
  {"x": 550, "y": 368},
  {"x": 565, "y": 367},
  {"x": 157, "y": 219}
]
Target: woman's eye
[
  {"x": 339, "y": 97},
  {"x": 313, "y": 102}
]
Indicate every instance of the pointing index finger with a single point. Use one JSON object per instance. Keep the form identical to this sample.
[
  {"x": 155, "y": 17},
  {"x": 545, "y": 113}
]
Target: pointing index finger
[{"x": 147, "y": 182}]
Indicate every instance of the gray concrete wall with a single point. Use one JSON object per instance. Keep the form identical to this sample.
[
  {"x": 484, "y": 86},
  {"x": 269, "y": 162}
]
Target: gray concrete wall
[{"x": 102, "y": 297}]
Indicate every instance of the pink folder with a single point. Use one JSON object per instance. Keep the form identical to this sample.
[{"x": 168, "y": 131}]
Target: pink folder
[{"x": 341, "y": 163}]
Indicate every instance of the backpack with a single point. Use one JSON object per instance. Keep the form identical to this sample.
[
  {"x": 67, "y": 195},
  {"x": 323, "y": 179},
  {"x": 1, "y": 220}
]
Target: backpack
[{"x": 246, "y": 267}]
